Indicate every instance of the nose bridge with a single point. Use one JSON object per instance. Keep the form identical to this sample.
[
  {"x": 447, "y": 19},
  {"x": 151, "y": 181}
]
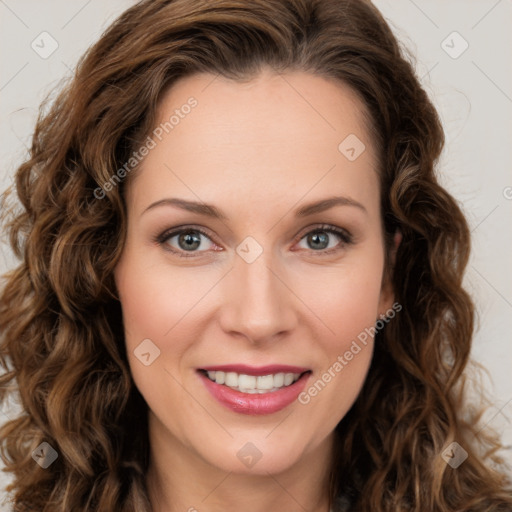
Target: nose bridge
[{"x": 257, "y": 303}]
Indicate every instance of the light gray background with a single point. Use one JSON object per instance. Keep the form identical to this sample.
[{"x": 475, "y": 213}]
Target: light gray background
[{"x": 473, "y": 93}]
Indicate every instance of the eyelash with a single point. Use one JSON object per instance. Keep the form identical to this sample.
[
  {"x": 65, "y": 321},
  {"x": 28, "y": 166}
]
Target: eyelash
[{"x": 345, "y": 236}]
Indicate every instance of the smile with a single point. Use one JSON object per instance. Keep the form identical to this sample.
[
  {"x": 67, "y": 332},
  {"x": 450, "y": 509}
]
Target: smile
[{"x": 250, "y": 390}]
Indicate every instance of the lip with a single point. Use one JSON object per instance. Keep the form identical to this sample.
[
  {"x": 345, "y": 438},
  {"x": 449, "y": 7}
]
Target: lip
[
  {"x": 256, "y": 370},
  {"x": 255, "y": 404}
]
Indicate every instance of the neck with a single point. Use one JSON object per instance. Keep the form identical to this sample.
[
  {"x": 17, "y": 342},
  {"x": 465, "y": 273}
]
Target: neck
[{"x": 179, "y": 480}]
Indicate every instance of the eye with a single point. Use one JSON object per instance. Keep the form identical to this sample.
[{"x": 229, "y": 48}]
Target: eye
[
  {"x": 181, "y": 241},
  {"x": 192, "y": 241},
  {"x": 327, "y": 239}
]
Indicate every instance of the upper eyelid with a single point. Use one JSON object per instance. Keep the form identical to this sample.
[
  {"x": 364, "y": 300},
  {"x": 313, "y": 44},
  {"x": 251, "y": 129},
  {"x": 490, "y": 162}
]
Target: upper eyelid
[{"x": 172, "y": 232}]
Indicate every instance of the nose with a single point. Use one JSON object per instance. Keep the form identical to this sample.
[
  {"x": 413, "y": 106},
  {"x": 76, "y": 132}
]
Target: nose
[{"x": 258, "y": 303}]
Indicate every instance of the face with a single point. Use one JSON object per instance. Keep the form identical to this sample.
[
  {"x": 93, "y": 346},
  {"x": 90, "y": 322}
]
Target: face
[{"x": 235, "y": 264}]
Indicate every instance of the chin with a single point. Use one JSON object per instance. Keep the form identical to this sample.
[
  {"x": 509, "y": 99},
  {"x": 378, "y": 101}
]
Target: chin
[{"x": 257, "y": 455}]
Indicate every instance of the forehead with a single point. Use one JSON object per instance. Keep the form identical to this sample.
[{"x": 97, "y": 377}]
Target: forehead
[
  {"x": 266, "y": 108},
  {"x": 272, "y": 134}
]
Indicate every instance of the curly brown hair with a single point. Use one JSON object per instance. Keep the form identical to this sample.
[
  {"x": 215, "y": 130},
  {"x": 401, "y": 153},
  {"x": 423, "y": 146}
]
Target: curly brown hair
[{"x": 62, "y": 341}]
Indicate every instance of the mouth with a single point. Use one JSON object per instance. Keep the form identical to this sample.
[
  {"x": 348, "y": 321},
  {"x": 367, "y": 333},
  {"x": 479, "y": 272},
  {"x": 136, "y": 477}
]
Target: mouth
[
  {"x": 251, "y": 390},
  {"x": 253, "y": 384}
]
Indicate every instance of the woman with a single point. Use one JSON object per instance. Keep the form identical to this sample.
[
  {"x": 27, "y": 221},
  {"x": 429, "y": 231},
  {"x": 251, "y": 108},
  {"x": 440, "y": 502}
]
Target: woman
[{"x": 240, "y": 284}]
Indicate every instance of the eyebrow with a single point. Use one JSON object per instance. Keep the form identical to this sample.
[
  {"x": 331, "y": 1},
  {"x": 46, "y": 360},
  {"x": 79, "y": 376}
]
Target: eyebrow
[{"x": 209, "y": 210}]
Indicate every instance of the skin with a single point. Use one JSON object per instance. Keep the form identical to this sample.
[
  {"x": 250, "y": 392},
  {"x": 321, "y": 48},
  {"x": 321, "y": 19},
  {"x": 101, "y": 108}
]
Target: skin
[{"x": 257, "y": 150}]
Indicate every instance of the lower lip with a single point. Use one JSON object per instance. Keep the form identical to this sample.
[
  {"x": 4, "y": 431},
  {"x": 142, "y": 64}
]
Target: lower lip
[{"x": 255, "y": 404}]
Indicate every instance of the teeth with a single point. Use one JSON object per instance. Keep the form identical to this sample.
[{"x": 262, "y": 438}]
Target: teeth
[
  {"x": 252, "y": 384},
  {"x": 288, "y": 378},
  {"x": 231, "y": 379},
  {"x": 265, "y": 382},
  {"x": 279, "y": 380},
  {"x": 247, "y": 382}
]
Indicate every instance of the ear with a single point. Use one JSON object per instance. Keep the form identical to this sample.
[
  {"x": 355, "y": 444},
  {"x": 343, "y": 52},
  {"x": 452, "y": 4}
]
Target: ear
[{"x": 387, "y": 294}]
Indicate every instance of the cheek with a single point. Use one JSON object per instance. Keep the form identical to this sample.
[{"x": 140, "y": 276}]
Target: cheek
[
  {"x": 334, "y": 388},
  {"x": 346, "y": 299},
  {"x": 166, "y": 306},
  {"x": 155, "y": 299},
  {"x": 347, "y": 302},
  {"x": 150, "y": 308},
  {"x": 155, "y": 310}
]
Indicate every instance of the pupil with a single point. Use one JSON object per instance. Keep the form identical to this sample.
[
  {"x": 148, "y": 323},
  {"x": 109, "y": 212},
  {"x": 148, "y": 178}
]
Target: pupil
[
  {"x": 190, "y": 241},
  {"x": 319, "y": 238}
]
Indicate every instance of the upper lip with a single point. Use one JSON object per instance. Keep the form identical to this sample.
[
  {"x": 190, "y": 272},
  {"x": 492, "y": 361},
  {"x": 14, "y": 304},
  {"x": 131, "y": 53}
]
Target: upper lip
[{"x": 256, "y": 370}]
